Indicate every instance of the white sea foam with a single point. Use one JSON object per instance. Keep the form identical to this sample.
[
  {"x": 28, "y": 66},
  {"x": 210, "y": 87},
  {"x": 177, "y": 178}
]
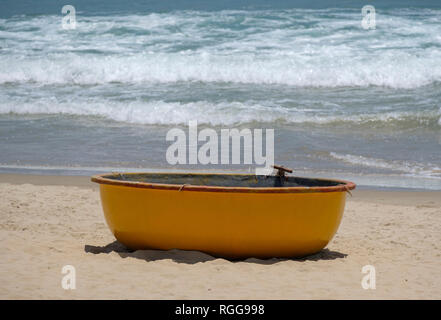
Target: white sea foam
[
  {"x": 174, "y": 67},
  {"x": 292, "y": 47},
  {"x": 205, "y": 112},
  {"x": 407, "y": 167},
  {"x": 166, "y": 68}
]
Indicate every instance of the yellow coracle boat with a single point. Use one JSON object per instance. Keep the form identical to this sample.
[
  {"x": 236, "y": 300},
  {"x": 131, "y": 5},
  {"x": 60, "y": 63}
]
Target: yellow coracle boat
[{"x": 227, "y": 215}]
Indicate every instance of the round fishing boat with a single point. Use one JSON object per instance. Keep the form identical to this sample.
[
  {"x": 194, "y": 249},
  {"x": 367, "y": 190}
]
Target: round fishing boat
[{"x": 226, "y": 215}]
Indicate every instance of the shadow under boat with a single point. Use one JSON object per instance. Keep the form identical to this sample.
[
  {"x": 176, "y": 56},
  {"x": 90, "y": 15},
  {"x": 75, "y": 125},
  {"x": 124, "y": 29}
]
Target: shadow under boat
[{"x": 193, "y": 257}]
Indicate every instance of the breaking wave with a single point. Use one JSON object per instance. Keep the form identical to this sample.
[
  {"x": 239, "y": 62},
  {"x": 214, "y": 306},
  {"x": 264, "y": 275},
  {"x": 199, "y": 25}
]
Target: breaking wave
[
  {"x": 294, "y": 47},
  {"x": 205, "y": 112}
]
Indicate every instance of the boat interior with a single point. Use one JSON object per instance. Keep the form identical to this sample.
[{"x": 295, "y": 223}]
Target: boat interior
[{"x": 223, "y": 180}]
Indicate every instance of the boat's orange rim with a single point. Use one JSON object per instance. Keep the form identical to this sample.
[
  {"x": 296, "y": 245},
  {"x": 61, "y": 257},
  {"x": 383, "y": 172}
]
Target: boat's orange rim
[{"x": 343, "y": 185}]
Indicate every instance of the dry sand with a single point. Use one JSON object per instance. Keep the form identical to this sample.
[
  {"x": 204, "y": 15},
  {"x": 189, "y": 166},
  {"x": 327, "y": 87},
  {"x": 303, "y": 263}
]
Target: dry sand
[{"x": 49, "y": 222}]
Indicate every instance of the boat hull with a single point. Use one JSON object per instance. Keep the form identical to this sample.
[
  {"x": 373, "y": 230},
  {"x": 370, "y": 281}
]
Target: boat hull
[{"x": 225, "y": 224}]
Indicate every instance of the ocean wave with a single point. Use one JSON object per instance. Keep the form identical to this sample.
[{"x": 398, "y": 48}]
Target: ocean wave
[
  {"x": 210, "y": 113},
  {"x": 288, "y": 47},
  {"x": 407, "y": 167},
  {"x": 205, "y": 67}
]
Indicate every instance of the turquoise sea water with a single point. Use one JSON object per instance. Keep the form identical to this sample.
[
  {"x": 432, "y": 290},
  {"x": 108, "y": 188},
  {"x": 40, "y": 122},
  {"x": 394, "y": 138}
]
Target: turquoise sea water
[{"x": 344, "y": 101}]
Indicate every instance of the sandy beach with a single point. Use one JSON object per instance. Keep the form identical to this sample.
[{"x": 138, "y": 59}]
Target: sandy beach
[{"x": 47, "y": 222}]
